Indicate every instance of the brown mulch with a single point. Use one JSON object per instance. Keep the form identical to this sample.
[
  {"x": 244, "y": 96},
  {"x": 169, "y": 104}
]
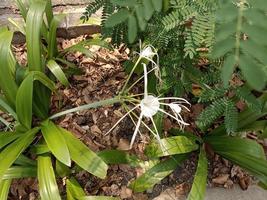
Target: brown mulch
[{"x": 102, "y": 77}]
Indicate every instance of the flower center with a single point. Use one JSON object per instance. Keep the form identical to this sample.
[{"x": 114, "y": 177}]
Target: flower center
[
  {"x": 147, "y": 52},
  {"x": 149, "y": 106}
]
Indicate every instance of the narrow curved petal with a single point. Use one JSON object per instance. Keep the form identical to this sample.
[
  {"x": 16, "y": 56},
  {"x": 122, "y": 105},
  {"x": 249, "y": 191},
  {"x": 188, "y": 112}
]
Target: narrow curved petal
[
  {"x": 178, "y": 120},
  {"x": 136, "y": 130},
  {"x": 145, "y": 80},
  {"x": 121, "y": 119},
  {"x": 175, "y": 98}
]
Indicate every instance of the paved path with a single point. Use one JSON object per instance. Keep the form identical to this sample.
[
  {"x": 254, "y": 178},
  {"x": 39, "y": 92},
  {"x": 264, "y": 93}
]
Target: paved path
[{"x": 253, "y": 193}]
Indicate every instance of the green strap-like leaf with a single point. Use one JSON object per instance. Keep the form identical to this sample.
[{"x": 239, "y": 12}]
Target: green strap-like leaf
[
  {"x": 44, "y": 80},
  {"x": 34, "y": 24},
  {"x": 81, "y": 47},
  {"x": 118, "y": 157},
  {"x": 57, "y": 72},
  {"x": 74, "y": 190},
  {"x": 52, "y": 43},
  {"x": 97, "y": 198},
  {"x": 235, "y": 144},
  {"x": 25, "y": 161},
  {"x": 7, "y": 80},
  {"x": 199, "y": 185},
  {"x": 12, "y": 151},
  {"x": 56, "y": 142},
  {"x": 49, "y": 12},
  {"x": 7, "y": 137},
  {"x": 157, "y": 173},
  {"x": 172, "y": 145},
  {"x": 84, "y": 157},
  {"x": 46, "y": 179},
  {"x": 257, "y": 167},
  {"x": 20, "y": 172},
  {"x": 7, "y": 108},
  {"x": 24, "y": 102},
  {"x": 22, "y": 8},
  {"x": 4, "y": 189}
]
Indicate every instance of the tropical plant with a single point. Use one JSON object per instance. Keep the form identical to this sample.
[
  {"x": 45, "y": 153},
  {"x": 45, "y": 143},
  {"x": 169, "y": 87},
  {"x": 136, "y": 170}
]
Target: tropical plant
[
  {"x": 25, "y": 95},
  {"x": 214, "y": 53}
]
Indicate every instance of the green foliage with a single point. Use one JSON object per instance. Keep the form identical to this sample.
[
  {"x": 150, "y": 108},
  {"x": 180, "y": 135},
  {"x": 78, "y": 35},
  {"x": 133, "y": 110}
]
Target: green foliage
[
  {"x": 239, "y": 38},
  {"x": 25, "y": 95},
  {"x": 198, "y": 189},
  {"x": 120, "y": 15}
]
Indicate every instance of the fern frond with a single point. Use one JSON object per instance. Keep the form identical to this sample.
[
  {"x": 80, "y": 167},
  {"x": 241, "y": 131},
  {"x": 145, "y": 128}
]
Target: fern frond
[
  {"x": 92, "y": 8},
  {"x": 230, "y": 117},
  {"x": 211, "y": 113},
  {"x": 209, "y": 94}
]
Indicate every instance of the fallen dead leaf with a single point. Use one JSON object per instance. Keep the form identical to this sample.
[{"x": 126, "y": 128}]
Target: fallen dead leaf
[
  {"x": 221, "y": 180},
  {"x": 123, "y": 144}
]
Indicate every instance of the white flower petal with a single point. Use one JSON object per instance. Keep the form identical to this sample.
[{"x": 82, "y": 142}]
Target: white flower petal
[
  {"x": 175, "y": 108},
  {"x": 149, "y": 106},
  {"x": 136, "y": 130}
]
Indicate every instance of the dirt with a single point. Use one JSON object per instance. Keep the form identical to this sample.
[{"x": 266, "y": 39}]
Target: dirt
[{"x": 101, "y": 78}]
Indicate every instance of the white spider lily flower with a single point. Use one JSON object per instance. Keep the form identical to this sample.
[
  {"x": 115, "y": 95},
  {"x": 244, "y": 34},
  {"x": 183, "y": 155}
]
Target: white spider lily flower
[
  {"x": 148, "y": 52},
  {"x": 150, "y": 106}
]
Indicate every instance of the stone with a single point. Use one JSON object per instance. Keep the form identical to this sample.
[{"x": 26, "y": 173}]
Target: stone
[
  {"x": 70, "y": 27},
  {"x": 236, "y": 193}
]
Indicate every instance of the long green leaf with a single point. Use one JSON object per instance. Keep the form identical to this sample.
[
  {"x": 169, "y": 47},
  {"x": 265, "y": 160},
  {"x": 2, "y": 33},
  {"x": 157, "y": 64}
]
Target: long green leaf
[
  {"x": 200, "y": 181},
  {"x": 87, "y": 106},
  {"x": 4, "y": 189},
  {"x": 24, "y": 102},
  {"x": 8, "y": 108},
  {"x": 157, "y": 173},
  {"x": 74, "y": 190},
  {"x": 7, "y": 137},
  {"x": 25, "y": 161},
  {"x": 44, "y": 80},
  {"x": 46, "y": 179},
  {"x": 7, "y": 80},
  {"x": 81, "y": 45},
  {"x": 118, "y": 157},
  {"x": 49, "y": 12},
  {"x": 42, "y": 94},
  {"x": 56, "y": 142},
  {"x": 84, "y": 157},
  {"x": 52, "y": 42},
  {"x": 172, "y": 145},
  {"x": 12, "y": 151},
  {"x": 20, "y": 172},
  {"x": 22, "y": 8},
  {"x": 253, "y": 164},
  {"x": 34, "y": 24},
  {"x": 97, "y": 198},
  {"x": 236, "y": 144},
  {"x": 57, "y": 72}
]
